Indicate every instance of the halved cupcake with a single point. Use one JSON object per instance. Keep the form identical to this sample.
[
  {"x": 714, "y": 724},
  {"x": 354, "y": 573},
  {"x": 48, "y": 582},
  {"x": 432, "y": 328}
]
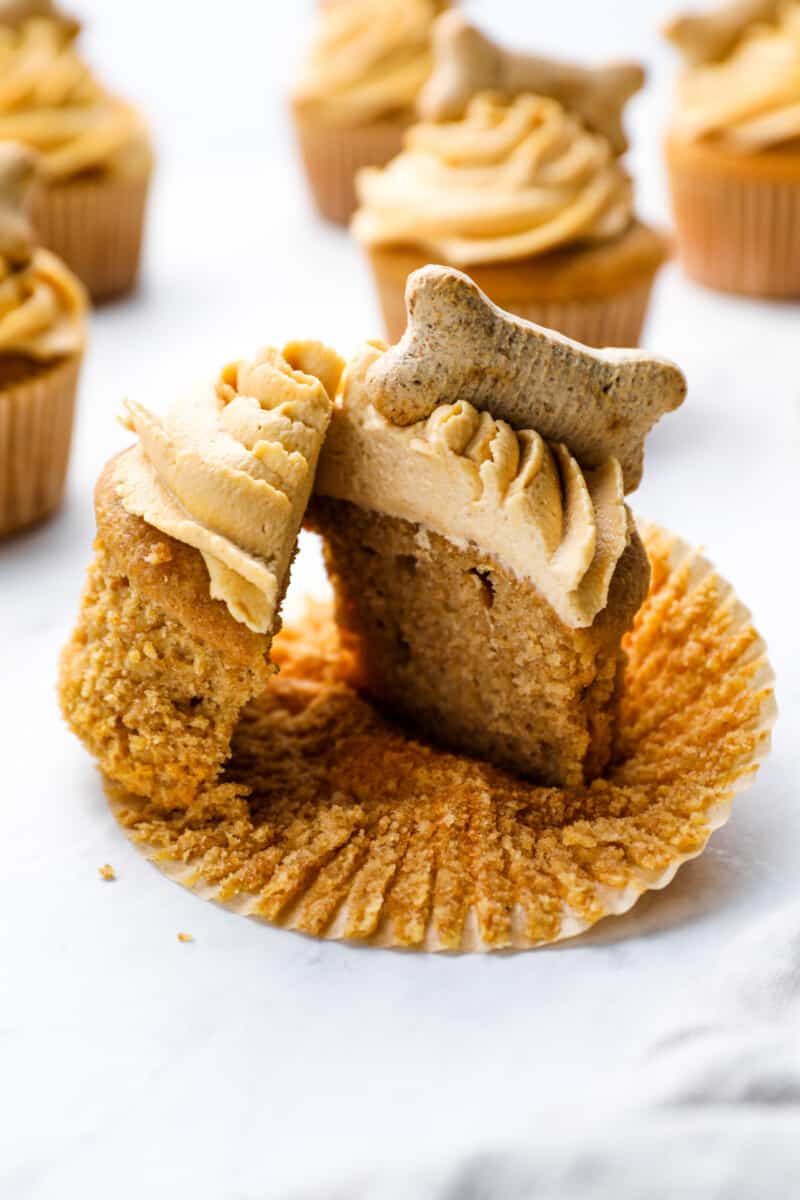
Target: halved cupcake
[
  {"x": 471, "y": 497},
  {"x": 196, "y": 530},
  {"x": 515, "y": 176}
]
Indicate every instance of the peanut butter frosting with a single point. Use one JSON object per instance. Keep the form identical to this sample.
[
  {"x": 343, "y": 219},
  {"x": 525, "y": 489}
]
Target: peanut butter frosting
[
  {"x": 514, "y": 178},
  {"x": 367, "y": 61},
  {"x": 230, "y": 469},
  {"x": 50, "y": 101},
  {"x": 42, "y": 304},
  {"x": 749, "y": 100},
  {"x": 471, "y": 478}
]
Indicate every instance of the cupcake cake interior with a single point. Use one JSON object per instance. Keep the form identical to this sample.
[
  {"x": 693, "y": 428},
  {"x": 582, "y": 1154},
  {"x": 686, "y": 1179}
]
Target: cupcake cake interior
[{"x": 471, "y": 500}]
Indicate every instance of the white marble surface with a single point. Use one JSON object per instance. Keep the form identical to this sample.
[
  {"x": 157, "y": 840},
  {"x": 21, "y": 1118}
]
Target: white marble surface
[{"x": 251, "y": 1062}]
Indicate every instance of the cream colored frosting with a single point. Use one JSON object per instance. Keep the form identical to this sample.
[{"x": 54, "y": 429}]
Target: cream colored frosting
[
  {"x": 230, "y": 469},
  {"x": 367, "y": 60},
  {"x": 514, "y": 178},
  {"x": 474, "y": 479},
  {"x": 42, "y": 304},
  {"x": 750, "y": 101},
  {"x": 50, "y": 101}
]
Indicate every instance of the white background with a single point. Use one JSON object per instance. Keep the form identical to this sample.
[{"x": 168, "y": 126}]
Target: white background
[{"x": 252, "y": 1061}]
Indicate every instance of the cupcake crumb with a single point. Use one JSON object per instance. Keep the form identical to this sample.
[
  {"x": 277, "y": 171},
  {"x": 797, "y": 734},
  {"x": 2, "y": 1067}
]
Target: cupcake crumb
[
  {"x": 185, "y": 937},
  {"x": 107, "y": 872},
  {"x": 159, "y": 554}
]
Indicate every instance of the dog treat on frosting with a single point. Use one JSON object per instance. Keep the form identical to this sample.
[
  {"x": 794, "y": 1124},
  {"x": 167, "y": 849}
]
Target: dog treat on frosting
[
  {"x": 459, "y": 346},
  {"x": 468, "y": 62},
  {"x": 471, "y": 497},
  {"x": 709, "y": 37}
]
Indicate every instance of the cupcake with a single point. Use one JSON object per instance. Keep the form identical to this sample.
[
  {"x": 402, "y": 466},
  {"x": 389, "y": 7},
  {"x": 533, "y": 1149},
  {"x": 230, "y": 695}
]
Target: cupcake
[
  {"x": 471, "y": 498},
  {"x": 196, "y": 529},
  {"x": 733, "y": 148},
  {"x": 496, "y": 603},
  {"x": 94, "y": 149},
  {"x": 515, "y": 176},
  {"x": 42, "y": 337},
  {"x": 356, "y": 92}
]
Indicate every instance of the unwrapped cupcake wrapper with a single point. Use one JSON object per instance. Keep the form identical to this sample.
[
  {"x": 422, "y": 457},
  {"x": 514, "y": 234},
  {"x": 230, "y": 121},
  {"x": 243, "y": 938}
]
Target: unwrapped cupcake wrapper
[
  {"x": 36, "y": 417},
  {"x": 354, "y": 830},
  {"x": 737, "y": 235},
  {"x": 614, "y": 320},
  {"x": 96, "y": 226},
  {"x": 333, "y": 156}
]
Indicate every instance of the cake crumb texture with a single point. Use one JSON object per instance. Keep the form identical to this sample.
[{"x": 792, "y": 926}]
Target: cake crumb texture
[
  {"x": 476, "y": 658},
  {"x": 155, "y": 673},
  {"x": 107, "y": 872},
  {"x": 337, "y": 823}
]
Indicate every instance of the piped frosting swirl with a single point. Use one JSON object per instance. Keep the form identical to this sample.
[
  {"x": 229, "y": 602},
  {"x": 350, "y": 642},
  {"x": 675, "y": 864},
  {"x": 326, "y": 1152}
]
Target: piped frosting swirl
[
  {"x": 471, "y": 478},
  {"x": 749, "y": 100},
  {"x": 366, "y": 61},
  {"x": 230, "y": 469},
  {"x": 50, "y": 101},
  {"x": 513, "y": 179}
]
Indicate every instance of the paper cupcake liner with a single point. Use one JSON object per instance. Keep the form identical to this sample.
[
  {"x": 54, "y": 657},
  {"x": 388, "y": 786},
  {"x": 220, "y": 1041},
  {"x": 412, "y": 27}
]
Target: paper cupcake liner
[
  {"x": 614, "y": 320},
  {"x": 738, "y": 235},
  {"x": 332, "y": 157},
  {"x": 96, "y": 226},
  {"x": 352, "y": 830},
  {"x": 36, "y": 416}
]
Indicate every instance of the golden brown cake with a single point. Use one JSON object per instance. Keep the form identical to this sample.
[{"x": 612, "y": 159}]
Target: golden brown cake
[
  {"x": 94, "y": 148},
  {"x": 356, "y": 91},
  {"x": 733, "y": 148},
  {"x": 514, "y": 175},
  {"x": 196, "y": 529},
  {"x": 42, "y": 337},
  {"x": 347, "y": 827},
  {"x": 471, "y": 497}
]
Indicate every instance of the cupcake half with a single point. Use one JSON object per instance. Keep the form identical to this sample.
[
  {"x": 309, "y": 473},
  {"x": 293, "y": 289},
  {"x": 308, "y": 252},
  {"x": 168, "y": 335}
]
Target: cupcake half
[
  {"x": 196, "y": 530},
  {"x": 356, "y": 91},
  {"x": 516, "y": 178},
  {"x": 42, "y": 338},
  {"x": 471, "y": 497},
  {"x": 733, "y": 148},
  {"x": 94, "y": 149}
]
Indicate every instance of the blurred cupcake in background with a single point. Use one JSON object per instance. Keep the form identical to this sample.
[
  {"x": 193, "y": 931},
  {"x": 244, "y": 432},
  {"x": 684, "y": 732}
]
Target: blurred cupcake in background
[
  {"x": 733, "y": 147},
  {"x": 514, "y": 175},
  {"x": 42, "y": 337},
  {"x": 356, "y": 91},
  {"x": 95, "y": 157}
]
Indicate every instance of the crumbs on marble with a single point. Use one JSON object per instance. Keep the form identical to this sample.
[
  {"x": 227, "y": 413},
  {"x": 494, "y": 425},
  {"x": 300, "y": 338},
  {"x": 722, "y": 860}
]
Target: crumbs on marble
[
  {"x": 185, "y": 937},
  {"x": 107, "y": 872}
]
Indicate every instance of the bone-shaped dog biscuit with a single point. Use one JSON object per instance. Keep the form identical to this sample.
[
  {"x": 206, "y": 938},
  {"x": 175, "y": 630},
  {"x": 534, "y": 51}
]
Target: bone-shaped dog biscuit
[
  {"x": 710, "y": 37},
  {"x": 467, "y": 62},
  {"x": 458, "y": 345},
  {"x": 17, "y": 173}
]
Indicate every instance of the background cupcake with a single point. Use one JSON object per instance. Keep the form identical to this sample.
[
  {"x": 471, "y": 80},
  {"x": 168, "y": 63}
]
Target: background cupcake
[
  {"x": 42, "y": 335},
  {"x": 734, "y": 147},
  {"x": 518, "y": 181},
  {"x": 95, "y": 156},
  {"x": 356, "y": 92}
]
